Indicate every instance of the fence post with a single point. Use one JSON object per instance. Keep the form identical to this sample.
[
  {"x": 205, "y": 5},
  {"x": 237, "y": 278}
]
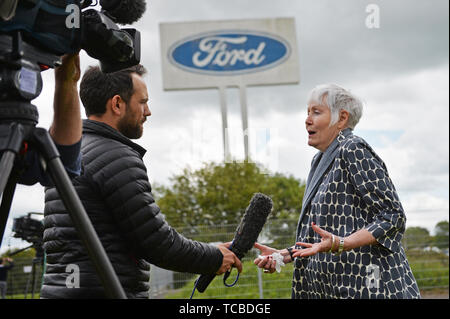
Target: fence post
[{"x": 260, "y": 284}]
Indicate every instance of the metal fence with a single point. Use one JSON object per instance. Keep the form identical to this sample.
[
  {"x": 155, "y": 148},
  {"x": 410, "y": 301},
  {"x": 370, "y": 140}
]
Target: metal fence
[
  {"x": 430, "y": 266},
  {"x": 25, "y": 278}
]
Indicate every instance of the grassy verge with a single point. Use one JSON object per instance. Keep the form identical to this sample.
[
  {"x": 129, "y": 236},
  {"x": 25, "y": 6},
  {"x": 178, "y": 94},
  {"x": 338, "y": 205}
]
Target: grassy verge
[
  {"x": 275, "y": 286},
  {"x": 430, "y": 270}
]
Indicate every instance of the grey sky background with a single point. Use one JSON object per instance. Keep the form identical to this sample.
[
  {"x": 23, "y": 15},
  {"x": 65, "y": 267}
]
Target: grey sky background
[{"x": 400, "y": 70}]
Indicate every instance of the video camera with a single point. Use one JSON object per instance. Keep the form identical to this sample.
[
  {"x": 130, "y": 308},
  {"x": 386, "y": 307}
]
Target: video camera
[
  {"x": 28, "y": 229},
  {"x": 34, "y": 34},
  {"x": 60, "y": 26}
]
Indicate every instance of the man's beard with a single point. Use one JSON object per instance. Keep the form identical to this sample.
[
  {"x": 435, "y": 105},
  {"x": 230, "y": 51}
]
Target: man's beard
[{"x": 130, "y": 128}]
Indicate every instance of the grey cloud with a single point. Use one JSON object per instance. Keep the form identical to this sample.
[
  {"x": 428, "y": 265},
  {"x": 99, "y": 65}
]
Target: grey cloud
[{"x": 334, "y": 44}]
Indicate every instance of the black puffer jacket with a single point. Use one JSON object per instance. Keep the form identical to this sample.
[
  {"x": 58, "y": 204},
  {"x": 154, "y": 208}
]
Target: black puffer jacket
[{"x": 116, "y": 194}]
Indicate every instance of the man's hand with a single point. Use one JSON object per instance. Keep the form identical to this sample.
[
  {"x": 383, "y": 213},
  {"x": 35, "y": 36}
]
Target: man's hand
[
  {"x": 66, "y": 127},
  {"x": 229, "y": 259},
  {"x": 69, "y": 71}
]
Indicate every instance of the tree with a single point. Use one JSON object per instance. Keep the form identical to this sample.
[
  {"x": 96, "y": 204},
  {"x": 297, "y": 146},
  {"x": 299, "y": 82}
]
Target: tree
[
  {"x": 441, "y": 234},
  {"x": 217, "y": 195},
  {"x": 417, "y": 237}
]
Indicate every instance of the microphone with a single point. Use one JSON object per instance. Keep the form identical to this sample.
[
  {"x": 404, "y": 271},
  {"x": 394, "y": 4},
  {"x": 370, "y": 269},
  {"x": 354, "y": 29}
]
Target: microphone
[
  {"x": 124, "y": 11},
  {"x": 247, "y": 232}
]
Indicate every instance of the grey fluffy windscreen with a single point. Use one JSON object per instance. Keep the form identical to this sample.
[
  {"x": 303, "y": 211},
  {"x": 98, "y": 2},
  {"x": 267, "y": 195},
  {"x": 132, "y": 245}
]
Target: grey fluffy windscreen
[
  {"x": 252, "y": 223},
  {"x": 125, "y": 11}
]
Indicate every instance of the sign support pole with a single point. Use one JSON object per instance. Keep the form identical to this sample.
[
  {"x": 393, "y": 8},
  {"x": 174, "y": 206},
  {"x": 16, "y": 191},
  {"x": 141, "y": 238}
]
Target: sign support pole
[
  {"x": 223, "y": 107},
  {"x": 243, "y": 99}
]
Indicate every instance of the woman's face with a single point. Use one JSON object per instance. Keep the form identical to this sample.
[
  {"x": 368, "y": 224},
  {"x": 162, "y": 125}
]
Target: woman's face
[{"x": 320, "y": 133}]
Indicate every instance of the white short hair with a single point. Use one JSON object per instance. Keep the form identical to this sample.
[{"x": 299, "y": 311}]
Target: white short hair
[{"x": 337, "y": 98}]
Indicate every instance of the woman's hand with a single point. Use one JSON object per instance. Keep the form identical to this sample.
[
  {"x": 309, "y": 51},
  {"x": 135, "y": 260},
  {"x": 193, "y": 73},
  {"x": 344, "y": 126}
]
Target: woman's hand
[
  {"x": 267, "y": 263},
  {"x": 358, "y": 239},
  {"x": 312, "y": 249}
]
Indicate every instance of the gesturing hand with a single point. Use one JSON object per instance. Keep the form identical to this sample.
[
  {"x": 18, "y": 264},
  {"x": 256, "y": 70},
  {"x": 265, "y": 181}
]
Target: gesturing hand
[
  {"x": 312, "y": 249},
  {"x": 267, "y": 263}
]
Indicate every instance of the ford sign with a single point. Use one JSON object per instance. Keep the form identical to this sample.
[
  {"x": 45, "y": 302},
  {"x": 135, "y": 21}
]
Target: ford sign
[{"x": 229, "y": 52}]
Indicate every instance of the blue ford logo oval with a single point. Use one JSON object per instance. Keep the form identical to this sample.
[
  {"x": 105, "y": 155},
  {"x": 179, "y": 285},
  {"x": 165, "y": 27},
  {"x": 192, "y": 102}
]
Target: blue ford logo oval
[{"x": 229, "y": 52}]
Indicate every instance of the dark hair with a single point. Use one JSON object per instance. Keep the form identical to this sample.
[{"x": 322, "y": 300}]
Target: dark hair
[{"x": 96, "y": 87}]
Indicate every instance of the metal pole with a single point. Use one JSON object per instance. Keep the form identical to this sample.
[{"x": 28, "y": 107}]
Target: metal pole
[
  {"x": 243, "y": 99},
  {"x": 223, "y": 108},
  {"x": 260, "y": 284},
  {"x": 86, "y": 230},
  {"x": 78, "y": 215},
  {"x": 6, "y": 165}
]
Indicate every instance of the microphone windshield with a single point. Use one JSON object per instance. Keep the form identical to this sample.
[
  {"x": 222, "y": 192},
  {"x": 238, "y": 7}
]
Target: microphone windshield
[
  {"x": 252, "y": 223},
  {"x": 247, "y": 232},
  {"x": 124, "y": 11}
]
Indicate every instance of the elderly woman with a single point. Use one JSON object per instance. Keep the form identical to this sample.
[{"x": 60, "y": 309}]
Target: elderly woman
[{"x": 352, "y": 221}]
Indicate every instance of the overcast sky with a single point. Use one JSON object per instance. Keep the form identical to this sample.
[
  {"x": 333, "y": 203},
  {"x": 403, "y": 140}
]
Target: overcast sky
[{"x": 400, "y": 70}]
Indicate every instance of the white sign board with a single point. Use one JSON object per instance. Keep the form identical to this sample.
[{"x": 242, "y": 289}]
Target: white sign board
[
  {"x": 211, "y": 54},
  {"x": 27, "y": 269}
]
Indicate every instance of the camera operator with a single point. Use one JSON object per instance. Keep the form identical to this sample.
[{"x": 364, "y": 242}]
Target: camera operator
[
  {"x": 116, "y": 193},
  {"x": 66, "y": 127},
  {"x": 5, "y": 265}
]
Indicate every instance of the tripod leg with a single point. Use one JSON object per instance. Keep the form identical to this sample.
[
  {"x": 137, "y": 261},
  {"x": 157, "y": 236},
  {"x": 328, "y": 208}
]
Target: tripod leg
[
  {"x": 13, "y": 134},
  {"x": 5, "y": 205},
  {"x": 7, "y": 196},
  {"x": 85, "y": 229},
  {"x": 6, "y": 165},
  {"x": 81, "y": 220}
]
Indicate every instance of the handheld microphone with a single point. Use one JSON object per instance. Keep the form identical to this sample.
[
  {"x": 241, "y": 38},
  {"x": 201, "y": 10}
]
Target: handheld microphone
[
  {"x": 247, "y": 232},
  {"x": 124, "y": 11}
]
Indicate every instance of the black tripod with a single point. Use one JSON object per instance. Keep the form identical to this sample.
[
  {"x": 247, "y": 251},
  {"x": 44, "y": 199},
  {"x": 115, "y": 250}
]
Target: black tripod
[{"x": 20, "y": 82}]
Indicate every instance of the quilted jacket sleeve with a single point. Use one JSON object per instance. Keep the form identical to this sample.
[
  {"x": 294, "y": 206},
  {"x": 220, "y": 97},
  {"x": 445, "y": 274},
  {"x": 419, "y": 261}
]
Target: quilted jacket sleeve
[
  {"x": 367, "y": 172},
  {"x": 124, "y": 185}
]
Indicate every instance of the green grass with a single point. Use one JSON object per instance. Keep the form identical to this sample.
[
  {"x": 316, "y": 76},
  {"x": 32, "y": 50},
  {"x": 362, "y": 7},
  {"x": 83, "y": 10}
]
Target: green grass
[
  {"x": 275, "y": 286},
  {"x": 22, "y": 296},
  {"x": 429, "y": 268}
]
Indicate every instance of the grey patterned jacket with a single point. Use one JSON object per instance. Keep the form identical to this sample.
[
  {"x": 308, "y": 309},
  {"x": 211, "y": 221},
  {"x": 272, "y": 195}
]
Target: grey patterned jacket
[{"x": 355, "y": 192}]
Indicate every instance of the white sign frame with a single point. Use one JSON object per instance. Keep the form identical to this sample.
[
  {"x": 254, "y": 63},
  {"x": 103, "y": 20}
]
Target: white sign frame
[
  {"x": 177, "y": 78},
  {"x": 285, "y": 71}
]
